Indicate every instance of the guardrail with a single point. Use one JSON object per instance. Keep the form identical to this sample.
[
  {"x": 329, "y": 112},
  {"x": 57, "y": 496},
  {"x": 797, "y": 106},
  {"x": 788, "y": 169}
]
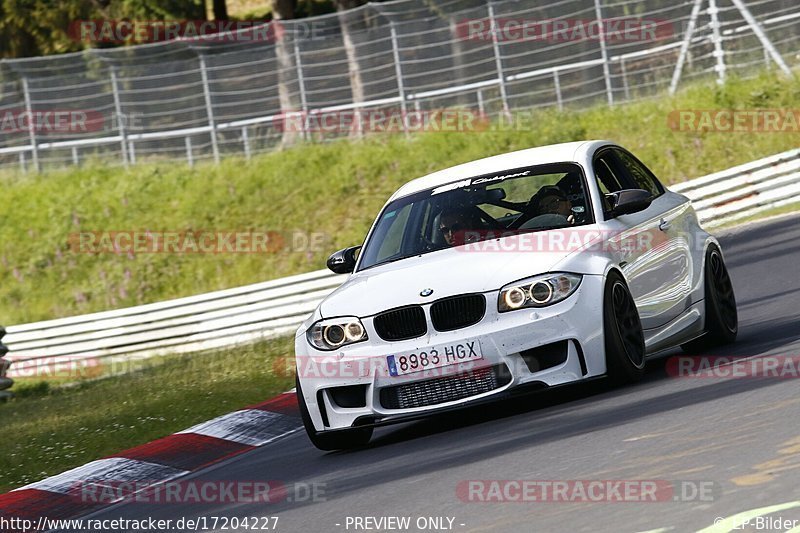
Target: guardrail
[
  {"x": 266, "y": 310},
  {"x": 745, "y": 190}
]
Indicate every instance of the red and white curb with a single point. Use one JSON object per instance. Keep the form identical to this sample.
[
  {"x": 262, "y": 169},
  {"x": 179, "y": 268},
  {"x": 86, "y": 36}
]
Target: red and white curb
[{"x": 155, "y": 462}]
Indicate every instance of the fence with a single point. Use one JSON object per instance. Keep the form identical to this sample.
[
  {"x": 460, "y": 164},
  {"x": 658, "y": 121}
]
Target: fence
[
  {"x": 265, "y": 310},
  {"x": 203, "y": 99}
]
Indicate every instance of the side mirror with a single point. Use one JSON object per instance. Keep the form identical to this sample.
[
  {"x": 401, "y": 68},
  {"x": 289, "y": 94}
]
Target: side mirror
[
  {"x": 343, "y": 261},
  {"x": 629, "y": 201}
]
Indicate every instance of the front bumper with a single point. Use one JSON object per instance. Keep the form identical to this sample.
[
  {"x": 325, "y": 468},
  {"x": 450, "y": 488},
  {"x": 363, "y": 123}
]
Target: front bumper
[{"x": 508, "y": 342}]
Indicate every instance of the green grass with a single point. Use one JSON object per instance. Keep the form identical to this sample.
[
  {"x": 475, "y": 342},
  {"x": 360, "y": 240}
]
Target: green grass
[
  {"x": 49, "y": 428},
  {"x": 335, "y": 189}
]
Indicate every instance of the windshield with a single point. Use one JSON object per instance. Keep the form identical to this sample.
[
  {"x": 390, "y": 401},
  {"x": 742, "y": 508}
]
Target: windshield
[{"x": 474, "y": 209}]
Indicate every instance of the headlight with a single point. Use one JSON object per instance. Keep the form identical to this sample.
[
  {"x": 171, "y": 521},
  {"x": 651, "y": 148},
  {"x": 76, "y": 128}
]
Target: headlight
[
  {"x": 333, "y": 333},
  {"x": 539, "y": 291}
]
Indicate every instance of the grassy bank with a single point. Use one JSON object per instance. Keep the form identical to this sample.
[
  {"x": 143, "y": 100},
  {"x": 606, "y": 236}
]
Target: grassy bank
[
  {"x": 49, "y": 428},
  {"x": 333, "y": 189}
]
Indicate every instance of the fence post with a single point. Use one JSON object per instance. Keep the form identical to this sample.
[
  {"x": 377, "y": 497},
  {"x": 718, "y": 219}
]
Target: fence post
[
  {"x": 302, "y": 85},
  {"x": 209, "y": 108},
  {"x": 716, "y": 38},
  {"x": 501, "y": 77},
  {"x": 189, "y": 156},
  {"x": 246, "y": 142},
  {"x": 603, "y": 51},
  {"x": 687, "y": 41},
  {"x": 121, "y": 126},
  {"x": 765, "y": 42},
  {"x": 398, "y": 71},
  {"x": 624, "y": 74},
  {"x": 557, "y": 84},
  {"x": 31, "y": 124}
]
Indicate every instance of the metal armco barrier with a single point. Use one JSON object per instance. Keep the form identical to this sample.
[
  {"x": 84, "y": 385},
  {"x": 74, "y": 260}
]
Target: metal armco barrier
[
  {"x": 246, "y": 314},
  {"x": 5, "y": 382}
]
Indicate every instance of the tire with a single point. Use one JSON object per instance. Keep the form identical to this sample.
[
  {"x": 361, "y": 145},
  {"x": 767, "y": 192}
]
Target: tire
[
  {"x": 343, "y": 439},
  {"x": 722, "y": 318},
  {"x": 622, "y": 329}
]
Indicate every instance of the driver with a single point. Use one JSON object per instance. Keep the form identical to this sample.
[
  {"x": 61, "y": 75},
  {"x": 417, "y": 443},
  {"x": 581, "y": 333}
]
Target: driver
[
  {"x": 452, "y": 222},
  {"x": 551, "y": 200}
]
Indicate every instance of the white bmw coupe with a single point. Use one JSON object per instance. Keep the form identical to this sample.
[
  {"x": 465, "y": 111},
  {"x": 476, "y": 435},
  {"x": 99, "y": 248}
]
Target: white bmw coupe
[{"x": 531, "y": 269}]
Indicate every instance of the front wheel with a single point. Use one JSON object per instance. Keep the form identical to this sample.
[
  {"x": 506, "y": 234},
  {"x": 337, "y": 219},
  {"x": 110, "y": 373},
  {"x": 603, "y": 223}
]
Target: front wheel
[
  {"x": 624, "y": 338},
  {"x": 722, "y": 318},
  {"x": 344, "y": 439}
]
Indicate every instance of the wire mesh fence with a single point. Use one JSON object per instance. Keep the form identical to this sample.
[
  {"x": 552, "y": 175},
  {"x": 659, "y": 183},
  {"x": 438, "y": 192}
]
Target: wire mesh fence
[{"x": 316, "y": 79}]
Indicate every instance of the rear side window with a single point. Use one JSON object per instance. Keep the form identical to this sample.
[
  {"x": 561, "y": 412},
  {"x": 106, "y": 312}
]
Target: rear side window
[{"x": 638, "y": 174}]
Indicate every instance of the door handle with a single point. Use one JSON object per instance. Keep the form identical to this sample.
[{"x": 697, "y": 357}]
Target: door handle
[{"x": 664, "y": 225}]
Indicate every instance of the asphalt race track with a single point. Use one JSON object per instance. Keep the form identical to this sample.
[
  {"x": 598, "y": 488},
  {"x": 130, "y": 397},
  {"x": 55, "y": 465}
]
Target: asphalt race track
[{"x": 740, "y": 437}]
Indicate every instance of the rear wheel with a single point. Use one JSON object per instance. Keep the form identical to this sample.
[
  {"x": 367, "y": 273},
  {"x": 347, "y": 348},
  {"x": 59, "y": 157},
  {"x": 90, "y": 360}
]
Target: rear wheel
[
  {"x": 331, "y": 440},
  {"x": 624, "y": 339},
  {"x": 722, "y": 318}
]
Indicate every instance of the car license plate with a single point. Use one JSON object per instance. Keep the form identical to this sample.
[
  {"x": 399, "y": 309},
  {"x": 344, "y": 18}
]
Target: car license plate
[{"x": 434, "y": 357}]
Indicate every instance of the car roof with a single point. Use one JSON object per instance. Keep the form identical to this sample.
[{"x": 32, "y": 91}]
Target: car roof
[{"x": 554, "y": 153}]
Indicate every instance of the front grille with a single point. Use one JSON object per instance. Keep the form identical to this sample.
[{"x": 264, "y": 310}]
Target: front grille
[
  {"x": 458, "y": 311},
  {"x": 402, "y": 323},
  {"x": 448, "y": 389}
]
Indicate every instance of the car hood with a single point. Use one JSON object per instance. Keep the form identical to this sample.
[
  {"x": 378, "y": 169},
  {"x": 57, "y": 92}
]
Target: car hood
[{"x": 447, "y": 272}]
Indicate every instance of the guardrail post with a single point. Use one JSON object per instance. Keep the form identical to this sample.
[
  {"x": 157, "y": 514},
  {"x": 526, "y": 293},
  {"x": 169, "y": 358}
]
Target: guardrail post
[
  {"x": 75, "y": 160},
  {"x": 498, "y": 60},
  {"x": 189, "y": 157},
  {"x": 22, "y": 162},
  {"x": 31, "y": 124},
  {"x": 604, "y": 51},
  {"x": 209, "y": 108},
  {"x": 121, "y": 126},
  {"x": 479, "y": 95},
  {"x": 398, "y": 71},
  {"x": 301, "y": 82},
  {"x": 716, "y": 38},
  {"x": 557, "y": 84},
  {"x": 5, "y": 382},
  {"x": 132, "y": 152}
]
